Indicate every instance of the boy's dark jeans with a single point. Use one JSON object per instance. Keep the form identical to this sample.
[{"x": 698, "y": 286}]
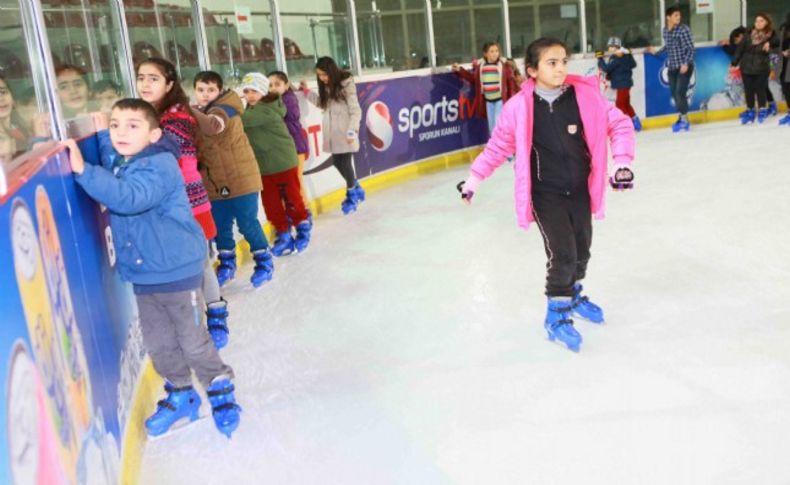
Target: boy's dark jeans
[{"x": 679, "y": 86}]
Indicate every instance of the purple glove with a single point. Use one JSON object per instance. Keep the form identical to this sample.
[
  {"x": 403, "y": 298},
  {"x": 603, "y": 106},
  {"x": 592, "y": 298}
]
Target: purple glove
[{"x": 623, "y": 179}]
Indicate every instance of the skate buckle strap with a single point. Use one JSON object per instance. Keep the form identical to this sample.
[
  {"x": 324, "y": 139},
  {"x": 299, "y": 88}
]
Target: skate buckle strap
[
  {"x": 563, "y": 309},
  {"x": 220, "y": 392},
  {"x": 227, "y": 405},
  {"x": 216, "y": 326},
  {"x": 163, "y": 403},
  {"x": 565, "y": 321},
  {"x": 178, "y": 389},
  {"x": 578, "y": 301}
]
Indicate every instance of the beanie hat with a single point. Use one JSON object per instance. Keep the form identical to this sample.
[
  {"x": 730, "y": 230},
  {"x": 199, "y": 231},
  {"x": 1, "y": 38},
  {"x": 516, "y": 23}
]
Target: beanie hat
[
  {"x": 614, "y": 41},
  {"x": 255, "y": 81}
]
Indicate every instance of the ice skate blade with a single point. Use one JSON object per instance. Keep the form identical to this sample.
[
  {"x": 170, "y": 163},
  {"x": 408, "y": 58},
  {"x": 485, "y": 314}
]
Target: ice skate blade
[{"x": 180, "y": 425}]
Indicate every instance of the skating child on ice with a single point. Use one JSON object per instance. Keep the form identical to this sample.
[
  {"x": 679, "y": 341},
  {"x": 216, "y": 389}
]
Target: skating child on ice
[
  {"x": 279, "y": 84},
  {"x": 161, "y": 250},
  {"x": 158, "y": 83},
  {"x": 264, "y": 123},
  {"x": 558, "y": 126},
  {"x": 337, "y": 97},
  {"x": 619, "y": 70}
]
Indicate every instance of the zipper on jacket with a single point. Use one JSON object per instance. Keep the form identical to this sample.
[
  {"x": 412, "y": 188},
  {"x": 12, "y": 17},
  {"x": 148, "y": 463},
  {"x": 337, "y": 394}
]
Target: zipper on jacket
[{"x": 537, "y": 162}]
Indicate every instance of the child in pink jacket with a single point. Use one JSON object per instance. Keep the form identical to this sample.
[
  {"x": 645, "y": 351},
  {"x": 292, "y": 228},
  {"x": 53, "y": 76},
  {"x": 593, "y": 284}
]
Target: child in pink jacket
[{"x": 558, "y": 127}]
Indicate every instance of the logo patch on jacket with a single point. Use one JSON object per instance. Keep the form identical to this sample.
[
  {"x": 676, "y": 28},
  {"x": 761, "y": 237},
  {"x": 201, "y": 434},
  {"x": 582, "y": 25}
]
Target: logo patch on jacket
[
  {"x": 572, "y": 129},
  {"x": 224, "y": 191}
]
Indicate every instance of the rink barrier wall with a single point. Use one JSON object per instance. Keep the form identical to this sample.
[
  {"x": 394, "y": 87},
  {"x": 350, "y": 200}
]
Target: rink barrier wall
[{"x": 136, "y": 436}]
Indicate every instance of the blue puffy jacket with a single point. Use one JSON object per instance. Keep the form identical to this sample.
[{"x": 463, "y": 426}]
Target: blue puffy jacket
[
  {"x": 156, "y": 237},
  {"x": 619, "y": 70}
]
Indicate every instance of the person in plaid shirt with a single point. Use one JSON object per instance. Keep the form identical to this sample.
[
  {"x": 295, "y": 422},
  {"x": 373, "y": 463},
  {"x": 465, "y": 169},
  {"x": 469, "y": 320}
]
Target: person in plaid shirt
[{"x": 679, "y": 47}]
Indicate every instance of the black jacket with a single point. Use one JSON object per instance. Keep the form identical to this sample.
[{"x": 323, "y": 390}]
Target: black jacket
[
  {"x": 752, "y": 58},
  {"x": 560, "y": 158},
  {"x": 619, "y": 70}
]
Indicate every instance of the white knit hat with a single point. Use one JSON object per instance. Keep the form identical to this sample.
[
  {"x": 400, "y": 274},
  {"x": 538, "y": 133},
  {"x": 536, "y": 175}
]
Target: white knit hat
[{"x": 255, "y": 81}]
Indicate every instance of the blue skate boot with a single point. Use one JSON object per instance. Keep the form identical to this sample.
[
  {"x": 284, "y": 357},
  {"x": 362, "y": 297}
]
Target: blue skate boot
[
  {"x": 772, "y": 109},
  {"x": 264, "y": 267},
  {"x": 181, "y": 402},
  {"x": 637, "y": 123},
  {"x": 226, "y": 270},
  {"x": 785, "y": 120},
  {"x": 747, "y": 117},
  {"x": 584, "y": 308},
  {"x": 217, "y": 322},
  {"x": 302, "y": 235},
  {"x": 223, "y": 405},
  {"x": 358, "y": 192},
  {"x": 559, "y": 325},
  {"x": 682, "y": 124},
  {"x": 283, "y": 244},
  {"x": 350, "y": 203},
  {"x": 762, "y": 115}
]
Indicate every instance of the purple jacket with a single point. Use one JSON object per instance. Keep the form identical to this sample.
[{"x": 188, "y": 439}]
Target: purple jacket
[{"x": 292, "y": 116}]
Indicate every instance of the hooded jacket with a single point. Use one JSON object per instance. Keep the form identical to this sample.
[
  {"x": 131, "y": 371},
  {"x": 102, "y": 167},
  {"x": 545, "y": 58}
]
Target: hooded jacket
[
  {"x": 620, "y": 70},
  {"x": 157, "y": 240},
  {"x": 274, "y": 148},
  {"x": 227, "y": 162},
  {"x": 514, "y": 130}
]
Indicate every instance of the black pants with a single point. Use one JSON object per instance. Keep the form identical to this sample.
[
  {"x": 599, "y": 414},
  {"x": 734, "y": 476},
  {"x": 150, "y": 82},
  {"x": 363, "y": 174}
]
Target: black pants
[
  {"x": 345, "y": 165},
  {"x": 755, "y": 86},
  {"x": 786, "y": 92},
  {"x": 679, "y": 86},
  {"x": 565, "y": 222}
]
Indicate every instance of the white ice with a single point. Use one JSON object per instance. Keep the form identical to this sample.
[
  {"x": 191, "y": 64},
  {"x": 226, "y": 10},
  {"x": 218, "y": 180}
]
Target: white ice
[{"x": 406, "y": 346}]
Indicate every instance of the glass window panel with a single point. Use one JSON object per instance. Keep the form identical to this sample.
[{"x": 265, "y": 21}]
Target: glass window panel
[
  {"x": 241, "y": 43},
  {"x": 24, "y": 113},
  {"x": 85, "y": 40},
  {"x": 778, "y": 10},
  {"x": 313, "y": 29},
  {"x": 562, "y": 21},
  {"x": 391, "y": 37},
  {"x": 522, "y": 28},
  {"x": 637, "y": 24},
  {"x": 701, "y": 24},
  {"x": 461, "y": 27},
  {"x": 166, "y": 29}
]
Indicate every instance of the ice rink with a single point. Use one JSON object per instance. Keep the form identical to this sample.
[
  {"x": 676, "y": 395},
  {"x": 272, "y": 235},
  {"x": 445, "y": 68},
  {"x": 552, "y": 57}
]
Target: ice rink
[{"x": 406, "y": 346}]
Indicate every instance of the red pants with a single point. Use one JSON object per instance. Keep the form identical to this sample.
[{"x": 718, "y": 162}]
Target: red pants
[
  {"x": 282, "y": 199},
  {"x": 623, "y": 102}
]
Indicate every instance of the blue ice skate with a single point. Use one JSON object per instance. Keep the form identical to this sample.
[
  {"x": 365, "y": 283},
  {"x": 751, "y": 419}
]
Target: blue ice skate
[
  {"x": 637, "y": 123},
  {"x": 762, "y": 115},
  {"x": 772, "y": 109},
  {"x": 584, "y": 308},
  {"x": 264, "y": 267},
  {"x": 559, "y": 325},
  {"x": 358, "y": 192},
  {"x": 350, "y": 203},
  {"x": 283, "y": 244},
  {"x": 181, "y": 402},
  {"x": 681, "y": 125},
  {"x": 785, "y": 120},
  {"x": 747, "y": 117},
  {"x": 223, "y": 405},
  {"x": 217, "y": 322},
  {"x": 303, "y": 230},
  {"x": 226, "y": 270}
]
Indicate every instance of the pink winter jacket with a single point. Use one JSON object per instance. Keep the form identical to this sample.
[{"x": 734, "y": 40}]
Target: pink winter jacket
[{"x": 513, "y": 134}]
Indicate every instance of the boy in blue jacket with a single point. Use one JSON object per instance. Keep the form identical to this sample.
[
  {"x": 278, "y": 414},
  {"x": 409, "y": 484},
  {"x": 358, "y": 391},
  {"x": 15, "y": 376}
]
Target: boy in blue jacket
[
  {"x": 619, "y": 72},
  {"x": 161, "y": 250}
]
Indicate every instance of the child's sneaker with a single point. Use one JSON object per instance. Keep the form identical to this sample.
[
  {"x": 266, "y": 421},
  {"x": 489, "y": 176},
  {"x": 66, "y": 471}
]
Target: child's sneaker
[
  {"x": 226, "y": 270},
  {"x": 559, "y": 325},
  {"x": 584, "y": 308},
  {"x": 223, "y": 405},
  {"x": 217, "y": 322},
  {"x": 181, "y": 402},
  {"x": 264, "y": 267}
]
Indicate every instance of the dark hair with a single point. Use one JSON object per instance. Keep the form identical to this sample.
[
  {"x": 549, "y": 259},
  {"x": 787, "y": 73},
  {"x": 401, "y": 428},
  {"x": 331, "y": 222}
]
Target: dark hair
[
  {"x": 333, "y": 91},
  {"x": 282, "y": 77},
  {"x": 176, "y": 95},
  {"x": 70, "y": 67},
  {"x": 736, "y": 32},
  {"x": 208, "y": 77},
  {"x": 671, "y": 10},
  {"x": 769, "y": 23},
  {"x": 489, "y": 45},
  {"x": 139, "y": 105},
  {"x": 104, "y": 85},
  {"x": 536, "y": 48}
]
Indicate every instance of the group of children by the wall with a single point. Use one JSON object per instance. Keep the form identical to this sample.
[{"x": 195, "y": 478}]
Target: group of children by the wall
[{"x": 176, "y": 177}]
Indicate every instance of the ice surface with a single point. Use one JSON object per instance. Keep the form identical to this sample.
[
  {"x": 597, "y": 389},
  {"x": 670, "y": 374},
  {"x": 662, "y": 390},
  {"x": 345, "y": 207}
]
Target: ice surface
[{"x": 406, "y": 345}]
